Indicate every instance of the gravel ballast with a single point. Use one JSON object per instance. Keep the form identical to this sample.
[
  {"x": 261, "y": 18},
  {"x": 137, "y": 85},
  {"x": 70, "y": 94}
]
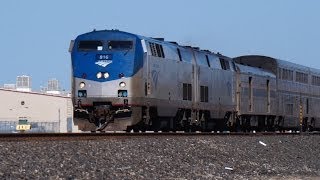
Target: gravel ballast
[{"x": 164, "y": 157}]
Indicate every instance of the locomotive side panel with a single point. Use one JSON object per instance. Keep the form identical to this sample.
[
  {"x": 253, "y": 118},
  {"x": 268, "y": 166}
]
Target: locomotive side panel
[
  {"x": 222, "y": 92},
  {"x": 166, "y": 76},
  {"x": 220, "y": 96}
]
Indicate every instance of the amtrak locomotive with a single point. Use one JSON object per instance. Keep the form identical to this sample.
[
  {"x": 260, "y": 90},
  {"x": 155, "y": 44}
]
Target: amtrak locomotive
[{"x": 124, "y": 81}]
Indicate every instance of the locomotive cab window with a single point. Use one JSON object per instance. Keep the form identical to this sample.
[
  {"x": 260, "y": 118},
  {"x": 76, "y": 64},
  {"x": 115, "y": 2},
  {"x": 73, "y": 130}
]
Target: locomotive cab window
[
  {"x": 90, "y": 46},
  {"x": 120, "y": 45}
]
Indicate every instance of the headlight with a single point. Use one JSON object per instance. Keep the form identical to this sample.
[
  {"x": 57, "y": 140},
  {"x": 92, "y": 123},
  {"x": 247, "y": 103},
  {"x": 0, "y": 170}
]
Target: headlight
[
  {"x": 99, "y": 75},
  {"x": 106, "y": 75},
  {"x": 122, "y": 84},
  {"x": 82, "y": 85}
]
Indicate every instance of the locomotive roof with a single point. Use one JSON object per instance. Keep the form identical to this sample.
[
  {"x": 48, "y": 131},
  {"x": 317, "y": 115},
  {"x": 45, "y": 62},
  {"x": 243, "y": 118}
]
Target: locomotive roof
[{"x": 97, "y": 33}]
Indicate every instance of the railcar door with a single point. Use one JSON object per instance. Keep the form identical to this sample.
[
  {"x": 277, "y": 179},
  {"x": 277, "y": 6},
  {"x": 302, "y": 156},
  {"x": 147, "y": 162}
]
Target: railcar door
[{"x": 238, "y": 91}]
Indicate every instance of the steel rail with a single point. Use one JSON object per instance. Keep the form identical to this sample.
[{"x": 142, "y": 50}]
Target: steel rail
[{"x": 97, "y": 135}]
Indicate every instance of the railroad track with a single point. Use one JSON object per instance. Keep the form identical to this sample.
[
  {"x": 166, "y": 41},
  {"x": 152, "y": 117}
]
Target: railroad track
[{"x": 99, "y": 135}]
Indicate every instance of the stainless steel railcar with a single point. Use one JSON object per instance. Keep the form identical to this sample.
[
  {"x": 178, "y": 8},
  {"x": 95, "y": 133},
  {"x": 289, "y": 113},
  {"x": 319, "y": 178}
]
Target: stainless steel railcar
[
  {"x": 123, "y": 81},
  {"x": 291, "y": 100}
]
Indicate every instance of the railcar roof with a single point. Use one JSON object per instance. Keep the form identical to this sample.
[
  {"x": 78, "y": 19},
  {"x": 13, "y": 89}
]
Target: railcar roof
[
  {"x": 272, "y": 64},
  {"x": 264, "y": 62},
  {"x": 298, "y": 67},
  {"x": 255, "y": 71},
  {"x": 291, "y": 65}
]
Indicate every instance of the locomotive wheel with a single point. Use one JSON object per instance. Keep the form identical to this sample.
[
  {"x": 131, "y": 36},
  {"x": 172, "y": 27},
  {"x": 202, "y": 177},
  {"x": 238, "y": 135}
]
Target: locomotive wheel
[
  {"x": 143, "y": 128},
  {"x": 129, "y": 128},
  {"x": 136, "y": 129}
]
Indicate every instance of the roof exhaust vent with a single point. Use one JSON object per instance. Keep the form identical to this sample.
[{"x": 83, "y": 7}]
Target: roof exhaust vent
[
  {"x": 173, "y": 42},
  {"x": 159, "y": 39}
]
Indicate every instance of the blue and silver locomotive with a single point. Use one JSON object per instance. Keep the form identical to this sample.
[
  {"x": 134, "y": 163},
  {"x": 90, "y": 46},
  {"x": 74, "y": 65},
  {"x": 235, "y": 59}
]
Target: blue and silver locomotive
[{"x": 123, "y": 81}]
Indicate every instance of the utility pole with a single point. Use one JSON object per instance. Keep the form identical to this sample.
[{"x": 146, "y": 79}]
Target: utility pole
[{"x": 59, "y": 120}]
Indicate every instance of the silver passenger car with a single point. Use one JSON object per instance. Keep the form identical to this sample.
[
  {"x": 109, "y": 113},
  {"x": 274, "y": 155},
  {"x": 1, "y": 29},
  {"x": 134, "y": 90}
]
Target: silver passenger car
[{"x": 291, "y": 94}]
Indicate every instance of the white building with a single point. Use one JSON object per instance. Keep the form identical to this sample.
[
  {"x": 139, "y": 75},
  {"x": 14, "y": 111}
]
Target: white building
[
  {"x": 23, "y": 83},
  {"x": 9, "y": 86},
  {"x": 53, "y": 86},
  {"x": 45, "y": 112}
]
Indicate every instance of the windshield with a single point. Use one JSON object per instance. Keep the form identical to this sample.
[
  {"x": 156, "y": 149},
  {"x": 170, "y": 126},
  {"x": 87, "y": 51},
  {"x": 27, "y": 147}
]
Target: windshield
[
  {"x": 90, "y": 46},
  {"x": 120, "y": 45}
]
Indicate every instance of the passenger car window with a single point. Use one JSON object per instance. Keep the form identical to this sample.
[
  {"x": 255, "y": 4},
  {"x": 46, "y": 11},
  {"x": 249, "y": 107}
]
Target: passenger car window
[{"x": 90, "y": 46}]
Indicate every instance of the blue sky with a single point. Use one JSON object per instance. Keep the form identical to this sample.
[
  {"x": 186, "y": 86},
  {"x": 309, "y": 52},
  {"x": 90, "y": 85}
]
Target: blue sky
[{"x": 35, "y": 34}]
